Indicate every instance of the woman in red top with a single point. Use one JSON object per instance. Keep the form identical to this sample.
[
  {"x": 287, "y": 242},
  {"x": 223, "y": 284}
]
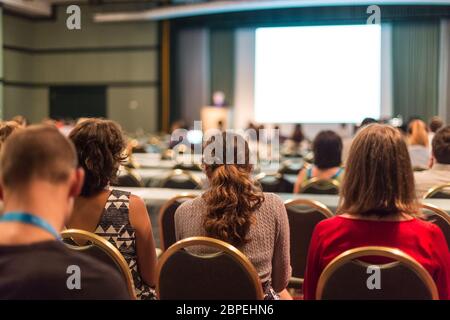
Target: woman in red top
[{"x": 378, "y": 207}]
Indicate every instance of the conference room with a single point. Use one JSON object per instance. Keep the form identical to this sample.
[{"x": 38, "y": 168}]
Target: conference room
[{"x": 225, "y": 150}]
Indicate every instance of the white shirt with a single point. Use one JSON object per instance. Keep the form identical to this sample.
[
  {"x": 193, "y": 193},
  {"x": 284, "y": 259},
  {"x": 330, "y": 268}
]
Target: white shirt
[
  {"x": 425, "y": 180},
  {"x": 420, "y": 156}
]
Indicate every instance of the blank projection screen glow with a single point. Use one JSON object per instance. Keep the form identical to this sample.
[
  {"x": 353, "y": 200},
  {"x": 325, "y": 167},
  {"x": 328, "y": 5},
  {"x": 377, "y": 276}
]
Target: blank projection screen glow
[{"x": 320, "y": 74}]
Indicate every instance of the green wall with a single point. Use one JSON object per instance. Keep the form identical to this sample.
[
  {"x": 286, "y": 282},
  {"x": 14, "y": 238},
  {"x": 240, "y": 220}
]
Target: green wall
[{"x": 38, "y": 54}]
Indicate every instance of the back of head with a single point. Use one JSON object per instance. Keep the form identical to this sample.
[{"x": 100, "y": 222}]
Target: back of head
[
  {"x": 6, "y": 129},
  {"x": 435, "y": 124},
  {"x": 37, "y": 152},
  {"x": 367, "y": 121},
  {"x": 20, "y": 120},
  {"x": 232, "y": 197},
  {"x": 100, "y": 145},
  {"x": 441, "y": 145},
  {"x": 327, "y": 149},
  {"x": 418, "y": 135},
  {"x": 298, "y": 135},
  {"x": 378, "y": 178}
]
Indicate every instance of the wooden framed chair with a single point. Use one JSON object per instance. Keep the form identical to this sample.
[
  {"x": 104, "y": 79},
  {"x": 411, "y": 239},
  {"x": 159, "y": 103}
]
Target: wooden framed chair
[
  {"x": 346, "y": 277},
  {"x": 303, "y": 217},
  {"x": 274, "y": 182},
  {"x": 101, "y": 249},
  {"x": 320, "y": 186},
  {"x": 167, "y": 219},
  {"x": 180, "y": 179},
  {"x": 438, "y": 192},
  {"x": 439, "y": 217},
  {"x": 129, "y": 179},
  {"x": 225, "y": 274}
]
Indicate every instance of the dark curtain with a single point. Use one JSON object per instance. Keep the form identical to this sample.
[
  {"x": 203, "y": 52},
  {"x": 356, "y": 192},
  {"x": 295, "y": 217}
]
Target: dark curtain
[
  {"x": 222, "y": 48},
  {"x": 415, "y": 62}
]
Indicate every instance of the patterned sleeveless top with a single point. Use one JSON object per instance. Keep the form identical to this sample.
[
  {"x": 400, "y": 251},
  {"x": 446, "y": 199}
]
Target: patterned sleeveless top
[{"x": 115, "y": 227}]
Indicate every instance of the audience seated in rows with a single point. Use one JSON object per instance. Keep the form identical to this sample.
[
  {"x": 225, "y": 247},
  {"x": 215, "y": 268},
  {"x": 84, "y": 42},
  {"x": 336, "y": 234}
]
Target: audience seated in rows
[
  {"x": 39, "y": 182},
  {"x": 235, "y": 210},
  {"x": 379, "y": 208},
  {"x": 439, "y": 172},
  {"x": 418, "y": 145},
  {"x": 116, "y": 215},
  {"x": 327, "y": 148}
]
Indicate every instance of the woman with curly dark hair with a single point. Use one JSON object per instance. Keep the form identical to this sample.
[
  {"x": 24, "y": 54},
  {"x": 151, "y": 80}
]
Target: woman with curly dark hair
[
  {"x": 116, "y": 215},
  {"x": 235, "y": 210}
]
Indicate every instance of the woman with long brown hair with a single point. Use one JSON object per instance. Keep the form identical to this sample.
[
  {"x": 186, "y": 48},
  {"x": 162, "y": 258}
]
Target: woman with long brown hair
[
  {"x": 378, "y": 207},
  {"x": 235, "y": 210},
  {"x": 418, "y": 144}
]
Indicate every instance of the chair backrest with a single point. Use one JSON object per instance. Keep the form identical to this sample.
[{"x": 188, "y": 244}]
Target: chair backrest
[
  {"x": 438, "y": 192},
  {"x": 274, "y": 183},
  {"x": 180, "y": 179},
  {"x": 290, "y": 167},
  {"x": 188, "y": 166},
  {"x": 439, "y": 217},
  {"x": 347, "y": 277},
  {"x": 225, "y": 274},
  {"x": 100, "y": 249},
  {"x": 167, "y": 219},
  {"x": 129, "y": 179},
  {"x": 303, "y": 217},
  {"x": 320, "y": 186}
]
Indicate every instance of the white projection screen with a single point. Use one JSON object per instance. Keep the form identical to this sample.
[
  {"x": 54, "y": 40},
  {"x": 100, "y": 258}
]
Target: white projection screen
[{"x": 318, "y": 74}]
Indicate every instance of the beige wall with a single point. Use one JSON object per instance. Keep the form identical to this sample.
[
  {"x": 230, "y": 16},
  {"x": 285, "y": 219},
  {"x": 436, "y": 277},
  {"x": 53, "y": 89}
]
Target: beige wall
[{"x": 130, "y": 75}]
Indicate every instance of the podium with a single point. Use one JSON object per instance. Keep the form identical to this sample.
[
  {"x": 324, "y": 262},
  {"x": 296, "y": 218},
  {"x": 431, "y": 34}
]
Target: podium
[{"x": 212, "y": 115}]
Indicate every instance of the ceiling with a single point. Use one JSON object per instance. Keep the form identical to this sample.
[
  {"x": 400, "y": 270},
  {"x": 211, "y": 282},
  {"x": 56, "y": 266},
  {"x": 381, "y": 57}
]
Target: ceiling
[{"x": 132, "y": 10}]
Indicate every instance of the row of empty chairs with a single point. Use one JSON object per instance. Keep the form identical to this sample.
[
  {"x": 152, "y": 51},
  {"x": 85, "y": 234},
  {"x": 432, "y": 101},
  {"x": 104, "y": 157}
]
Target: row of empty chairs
[
  {"x": 276, "y": 182},
  {"x": 176, "y": 179}
]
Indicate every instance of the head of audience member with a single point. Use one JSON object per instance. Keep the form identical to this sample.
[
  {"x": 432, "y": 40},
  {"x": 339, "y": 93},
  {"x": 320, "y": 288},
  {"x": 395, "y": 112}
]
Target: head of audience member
[
  {"x": 6, "y": 129},
  {"x": 435, "y": 124},
  {"x": 417, "y": 133},
  {"x": 100, "y": 146},
  {"x": 21, "y": 120},
  {"x": 441, "y": 146},
  {"x": 327, "y": 149},
  {"x": 39, "y": 173},
  {"x": 367, "y": 121},
  {"x": 379, "y": 178},
  {"x": 298, "y": 135},
  {"x": 232, "y": 196}
]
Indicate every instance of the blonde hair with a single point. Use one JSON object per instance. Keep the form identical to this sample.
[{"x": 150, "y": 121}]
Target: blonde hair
[{"x": 418, "y": 134}]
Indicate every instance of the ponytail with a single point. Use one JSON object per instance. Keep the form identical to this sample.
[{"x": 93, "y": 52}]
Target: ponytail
[{"x": 232, "y": 200}]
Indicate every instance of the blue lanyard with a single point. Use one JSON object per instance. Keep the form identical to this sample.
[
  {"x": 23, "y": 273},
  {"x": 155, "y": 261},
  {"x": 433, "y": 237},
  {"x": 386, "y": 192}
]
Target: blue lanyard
[{"x": 27, "y": 218}]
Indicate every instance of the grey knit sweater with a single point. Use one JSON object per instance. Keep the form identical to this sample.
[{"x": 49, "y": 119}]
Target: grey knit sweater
[{"x": 268, "y": 248}]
